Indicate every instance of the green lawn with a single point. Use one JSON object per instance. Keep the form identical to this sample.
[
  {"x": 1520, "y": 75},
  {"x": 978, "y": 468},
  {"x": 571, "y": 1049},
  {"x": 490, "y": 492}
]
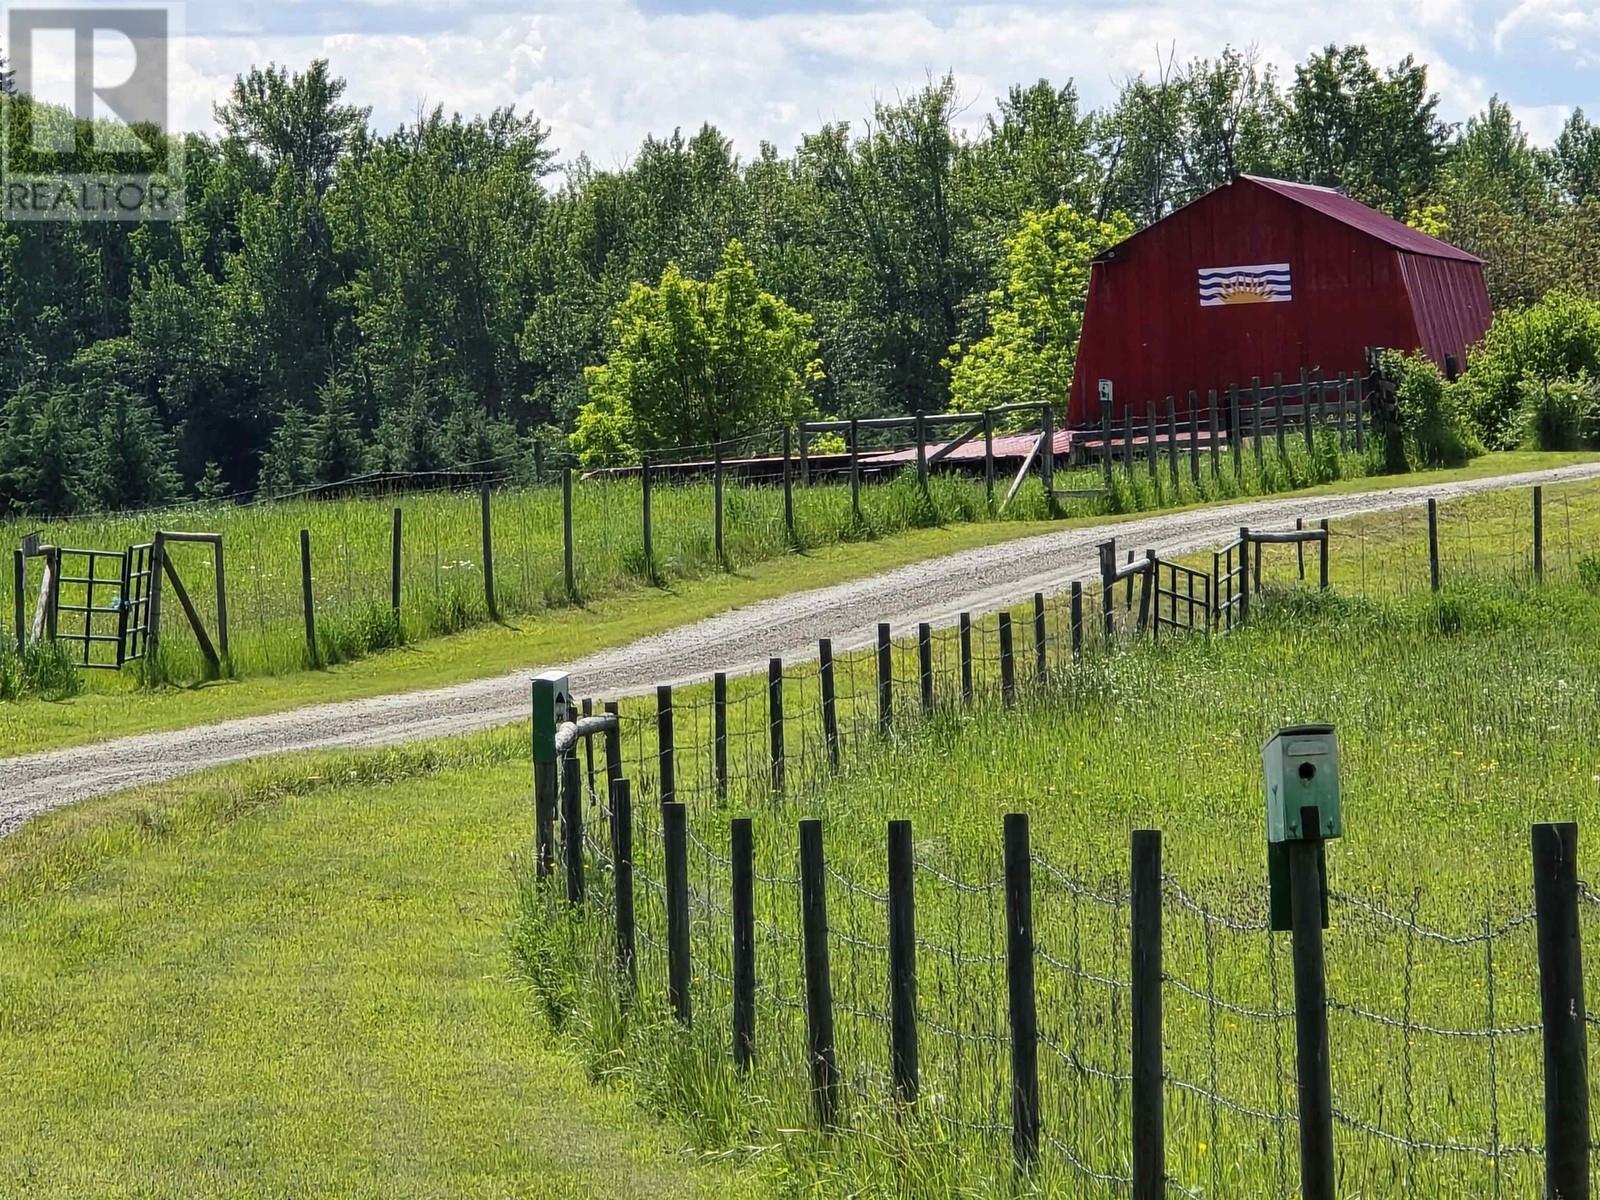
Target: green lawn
[
  {"x": 295, "y": 978},
  {"x": 271, "y": 983},
  {"x": 116, "y": 706}
]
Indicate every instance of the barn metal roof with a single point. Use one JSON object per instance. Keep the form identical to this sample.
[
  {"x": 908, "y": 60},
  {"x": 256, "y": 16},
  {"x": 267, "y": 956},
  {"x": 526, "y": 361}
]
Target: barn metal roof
[{"x": 1358, "y": 216}]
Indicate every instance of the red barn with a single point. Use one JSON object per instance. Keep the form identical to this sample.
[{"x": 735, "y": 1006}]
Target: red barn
[{"x": 1262, "y": 277}]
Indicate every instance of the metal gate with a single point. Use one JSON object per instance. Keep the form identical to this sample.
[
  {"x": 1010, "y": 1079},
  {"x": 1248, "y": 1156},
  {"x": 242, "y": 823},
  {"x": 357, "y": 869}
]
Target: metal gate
[
  {"x": 87, "y": 598},
  {"x": 133, "y": 631}
]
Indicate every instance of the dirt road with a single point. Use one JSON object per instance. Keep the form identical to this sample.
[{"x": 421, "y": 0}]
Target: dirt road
[{"x": 736, "y": 641}]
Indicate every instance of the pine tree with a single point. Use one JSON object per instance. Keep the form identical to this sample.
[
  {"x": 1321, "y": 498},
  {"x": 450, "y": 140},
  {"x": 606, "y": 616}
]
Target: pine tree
[
  {"x": 43, "y": 452},
  {"x": 336, "y": 450},
  {"x": 132, "y": 463},
  {"x": 286, "y": 465}
]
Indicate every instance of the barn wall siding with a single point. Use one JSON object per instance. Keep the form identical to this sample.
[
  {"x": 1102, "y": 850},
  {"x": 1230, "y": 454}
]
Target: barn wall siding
[{"x": 1145, "y": 330}]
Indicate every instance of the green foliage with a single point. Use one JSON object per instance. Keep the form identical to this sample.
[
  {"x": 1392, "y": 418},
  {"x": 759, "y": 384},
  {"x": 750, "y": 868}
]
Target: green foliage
[
  {"x": 1557, "y": 338},
  {"x": 1037, "y": 316},
  {"x": 1589, "y": 572},
  {"x": 1559, "y": 414},
  {"x": 1434, "y": 419},
  {"x": 693, "y": 363},
  {"x": 44, "y": 670}
]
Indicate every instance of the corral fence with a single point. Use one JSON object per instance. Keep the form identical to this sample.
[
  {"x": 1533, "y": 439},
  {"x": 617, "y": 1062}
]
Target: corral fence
[
  {"x": 1036, "y": 1015},
  {"x": 528, "y": 531}
]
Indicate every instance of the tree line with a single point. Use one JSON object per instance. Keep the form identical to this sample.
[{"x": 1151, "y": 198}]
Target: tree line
[{"x": 341, "y": 299}]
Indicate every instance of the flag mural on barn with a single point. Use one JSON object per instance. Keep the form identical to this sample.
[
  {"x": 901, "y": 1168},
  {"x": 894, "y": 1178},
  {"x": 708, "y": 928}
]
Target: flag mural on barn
[
  {"x": 1269, "y": 283},
  {"x": 1260, "y": 278}
]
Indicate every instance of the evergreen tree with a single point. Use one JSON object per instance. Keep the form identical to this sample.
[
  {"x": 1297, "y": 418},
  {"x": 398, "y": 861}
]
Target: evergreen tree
[
  {"x": 44, "y": 452},
  {"x": 132, "y": 462},
  {"x": 336, "y": 450},
  {"x": 287, "y": 464}
]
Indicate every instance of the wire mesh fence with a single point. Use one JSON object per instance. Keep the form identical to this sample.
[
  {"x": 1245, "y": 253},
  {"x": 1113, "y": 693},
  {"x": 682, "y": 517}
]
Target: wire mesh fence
[{"x": 1438, "y": 1034}]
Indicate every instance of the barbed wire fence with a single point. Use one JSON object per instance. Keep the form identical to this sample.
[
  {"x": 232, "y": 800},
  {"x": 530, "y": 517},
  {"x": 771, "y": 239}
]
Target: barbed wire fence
[{"x": 1455, "y": 1015}]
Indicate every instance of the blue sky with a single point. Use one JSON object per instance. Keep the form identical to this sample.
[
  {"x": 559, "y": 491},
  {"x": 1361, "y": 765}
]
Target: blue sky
[{"x": 603, "y": 73}]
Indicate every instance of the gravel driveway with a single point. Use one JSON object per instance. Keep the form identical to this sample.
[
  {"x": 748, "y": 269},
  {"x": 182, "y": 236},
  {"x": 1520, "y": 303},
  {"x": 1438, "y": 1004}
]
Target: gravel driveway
[{"x": 736, "y": 641}]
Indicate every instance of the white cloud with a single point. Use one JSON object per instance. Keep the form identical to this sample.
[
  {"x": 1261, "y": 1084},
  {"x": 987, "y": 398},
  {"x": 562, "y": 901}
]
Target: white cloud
[{"x": 604, "y": 73}]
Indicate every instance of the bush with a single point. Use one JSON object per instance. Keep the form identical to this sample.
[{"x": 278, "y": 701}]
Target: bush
[
  {"x": 1433, "y": 416},
  {"x": 1557, "y": 338},
  {"x": 1558, "y": 414}
]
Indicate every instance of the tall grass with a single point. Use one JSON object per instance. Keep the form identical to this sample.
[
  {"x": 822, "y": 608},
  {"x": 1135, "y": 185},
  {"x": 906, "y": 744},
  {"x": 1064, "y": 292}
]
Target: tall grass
[
  {"x": 442, "y": 584},
  {"x": 1463, "y": 718}
]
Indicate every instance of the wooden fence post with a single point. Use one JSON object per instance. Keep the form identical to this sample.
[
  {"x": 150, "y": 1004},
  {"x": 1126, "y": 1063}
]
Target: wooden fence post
[
  {"x": 1311, "y": 1014},
  {"x": 1172, "y": 441},
  {"x": 719, "y": 733},
  {"x": 648, "y": 524},
  {"x": 805, "y": 457},
  {"x": 1538, "y": 533},
  {"x": 613, "y": 744},
  {"x": 1008, "y": 668},
  {"x": 622, "y": 884},
  {"x": 1150, "y": 420},
  {"x": 1105, "y": 445},
  {"x": 1235, "y": 431},
  {"x": 742, "y": 868},
  {"x": 1277, "y": 412},
  {"x": 1047, "y": 456},
  {"x": 306, "y": 601},
  {"x": 921, "y": 424},
  {"x": 925, "y": 666},
  {"x": 572, "y": 823},
  {"x": 1149, "y": 1121},
  {"x": 666, "y": 760},
  {"x": 775, "y": 723},
  {"x": 830, "y": 706},
  {"x": 988, "y": 456},
  {"x": 1433, "y": 545},
  {"x": 1255, "y": 419},
  {"x": 394, "y": 561},
  {"x": 718, "y": 540},
  {"x": 1077, "y": 619},
  {"x": 819, "y": 983},
  {"x": 1305, "y": 411},
  {"x": 966, "y": 658},
  {"x": 1127, "y": 441},
  {"x": 1108, "y": 570},
  {"x": 1300, "y": 548},
  {"x": 19, "y": 611},
  {"x": 675, "y": 844},
  {"x": 1212, "y": 423},
  {"x": 1149, "y": 613},
  {"x": 885, "y": 681},
  {"x": 1194, "y": 438},
  {"x": 904, "y": 1068},
  {"x": 488, "y": 555},
  {"x": 1041, "y": 650},
  {"x": 1562, "y": 1012},
  {"x": 1022, "y": 1001},
  {"x": 1244, "y": 573},
  {"x": 788, "y": 488},
  {"x": 1324, "y": 553},
  {"x": 569, "y": 551},
  {"x": 855, "y": 469}
]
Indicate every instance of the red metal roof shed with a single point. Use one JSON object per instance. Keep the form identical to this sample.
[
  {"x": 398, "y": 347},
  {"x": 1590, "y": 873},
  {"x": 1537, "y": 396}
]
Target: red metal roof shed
[{"x": 1261, "y": 277}]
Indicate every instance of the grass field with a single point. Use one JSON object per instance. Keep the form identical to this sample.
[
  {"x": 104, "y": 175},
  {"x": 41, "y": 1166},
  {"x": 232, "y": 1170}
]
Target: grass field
[
  {"x": 442, "y": 558},
  {"x": 547, "y": 635},
  {"x": 293, "y": 981},
  {"x": 298, "y": 975},
  {"x": 1463, "y": 719}
]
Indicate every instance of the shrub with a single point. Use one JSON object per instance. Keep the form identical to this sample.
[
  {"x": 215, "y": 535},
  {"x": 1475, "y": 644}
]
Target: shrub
[
  {"x": 1433, "y": 418},
  {"x": 1557, "y": 338},
  {"x": 1558, "y": 414}
]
